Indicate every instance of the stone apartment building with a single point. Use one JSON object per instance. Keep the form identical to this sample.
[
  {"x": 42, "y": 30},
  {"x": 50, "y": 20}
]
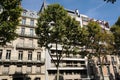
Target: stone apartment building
[
  {"x": 75, "y": 67},
  {"x": 22, "y": 58},
  {"x": 110, "y": 65}
]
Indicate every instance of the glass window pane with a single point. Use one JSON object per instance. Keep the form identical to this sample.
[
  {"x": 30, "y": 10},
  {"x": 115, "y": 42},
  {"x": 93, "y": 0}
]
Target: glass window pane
[
  {"x": 8, "y": 54},
  {"x": 0, "y": 54},
  {"x": 32, "y": 22},
  {"x": 23, "y": 21}
]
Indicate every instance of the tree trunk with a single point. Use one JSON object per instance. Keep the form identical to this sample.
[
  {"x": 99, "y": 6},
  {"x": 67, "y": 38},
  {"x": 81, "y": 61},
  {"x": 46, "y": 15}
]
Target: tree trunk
[
  {"x": 57, "y": 73},
  {"x": 57, "y": 61},
  {"x": 88, "y": 71}
]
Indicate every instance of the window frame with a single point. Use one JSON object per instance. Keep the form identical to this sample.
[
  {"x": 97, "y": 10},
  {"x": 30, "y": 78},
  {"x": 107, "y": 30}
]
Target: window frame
[
  {"x": 29, "y": 55},
  {"x": 1, "y": 52},
  {"x": 23, "y": 21},
  {"x": 8, "y": 54},
  {"x": 20, "y": 55}
]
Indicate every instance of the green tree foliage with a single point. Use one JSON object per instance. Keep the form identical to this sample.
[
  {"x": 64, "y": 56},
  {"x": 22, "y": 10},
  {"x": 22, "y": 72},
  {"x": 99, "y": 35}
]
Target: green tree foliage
[
  {"x": 98, "y": 38},
  {"x": 115, "y": 29},
  {"x": 10, "y": 12},
  {"x": 55, "y": 26},
  {"x": 118, "y": 22},
  {"x": 112, "y": 1},
  {"x": 99, "y": 42}
]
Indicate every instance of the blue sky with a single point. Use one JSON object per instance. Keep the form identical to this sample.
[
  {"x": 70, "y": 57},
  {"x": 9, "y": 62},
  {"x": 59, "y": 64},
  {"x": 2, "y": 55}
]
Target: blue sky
[{"x": 97, "y": 9}]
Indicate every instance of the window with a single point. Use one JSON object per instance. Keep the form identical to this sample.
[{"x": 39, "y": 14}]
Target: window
[
  {"x": 23, "y": 21},
  {"x": 31, "y": 14},
  {"x": 20, "y": 55},
  {"x": 24, "y": 12},
  {"x": 113, "y": 60},
  {"x": 38, "y": 56},
  {"x": 22, "y": 31},
  {"x": 31, "y": 22},
  {"x": 115, "y": 69},
  {"x": 0, "y": 54},
  {"x": 31, "y": 32},
  {"x": 108, "y": 69},
  {"x": 29, "y": 55},
  {"x": 8, "y": 54},
  {"x": 100, "y": 70}
]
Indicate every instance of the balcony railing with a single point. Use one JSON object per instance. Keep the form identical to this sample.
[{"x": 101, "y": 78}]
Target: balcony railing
[
  {"x": 70, "y": 65},
  {"x": 104, "y": 62},
  {"x": 67, "y": 68},
  {"x": 15, "y": 60},
  {"x": 27, "y": 35},
  {"x": 71, "y": 59},
  {"x": 25, "y": 46},
  {"x": 27, "y": 24}
]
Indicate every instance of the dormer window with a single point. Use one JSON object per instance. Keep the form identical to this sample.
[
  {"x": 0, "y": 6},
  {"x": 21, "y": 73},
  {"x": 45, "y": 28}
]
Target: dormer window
[
  {"x": 31, "y": 14},
  {"x": 77, "y": 12},
  {"x": 24, "y": 12}
]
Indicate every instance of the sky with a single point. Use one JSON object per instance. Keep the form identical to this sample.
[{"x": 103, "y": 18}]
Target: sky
[{"x": 97, "y": 9}]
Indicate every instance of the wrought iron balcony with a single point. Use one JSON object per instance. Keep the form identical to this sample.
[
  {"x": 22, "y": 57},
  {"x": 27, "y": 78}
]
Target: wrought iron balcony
[
  {"x": 16, "y": 61},
  {"x": 103, "y": 62},
  {"x": 28, "y": 35},
  {"x": 27, "y": 24},
  {"x": 25, "y": 46}
]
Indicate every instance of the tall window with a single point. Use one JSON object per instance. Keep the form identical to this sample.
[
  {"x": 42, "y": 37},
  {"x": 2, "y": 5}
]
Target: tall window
[
  {"x": 29, "y": 55},
  {"x": 23, "y": 21},
  {"x": 8, "y": 54},
  {"x": 20, "y": 55},
  {"x": 31, "y": 22},
  {"x": 22, "y": 31},
  {"x": 113, "y": 60},
  {"x": 0, "y": 54},
  {"x": 108, "y": 69},
  {"x": 38, "y": 56},
  {"x": 31, "y": 32}
]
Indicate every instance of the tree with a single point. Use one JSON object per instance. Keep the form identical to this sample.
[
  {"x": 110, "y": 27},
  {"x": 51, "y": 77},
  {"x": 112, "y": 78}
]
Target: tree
[
  {"x": 10, "y": 12},
  {"x": 99, "y": 42},
  {"x": 115, "y": 29},
  {"x": 112, "y": 1},
  {"x": 118, "y": 21},
  {"x": 56, "y": 27}
]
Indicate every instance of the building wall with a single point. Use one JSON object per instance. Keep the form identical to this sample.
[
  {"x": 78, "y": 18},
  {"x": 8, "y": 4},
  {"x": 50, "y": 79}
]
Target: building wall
[
  {"x": 72, "y": 67},
  {"x": 15, "y": 68}
]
